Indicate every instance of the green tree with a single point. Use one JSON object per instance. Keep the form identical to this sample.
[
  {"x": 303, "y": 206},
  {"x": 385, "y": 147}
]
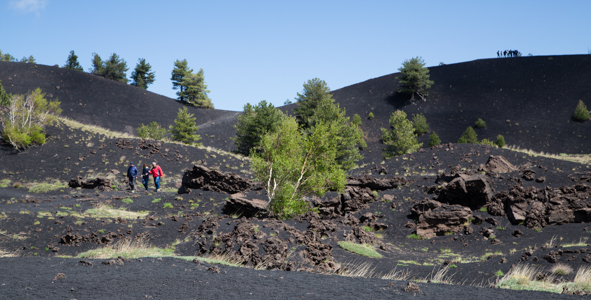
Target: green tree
[
  {"x": 7, "y": 57},
  {"x": 315, "y": 90},
  {"x": 142, "y": 76},
  {"x": 434, "y": 139},
  {"x": 97, "y": 65},
  {"x": 72, "y": 62},
  {"x": 581, "y": 112},
  {"x": 185, "y": 128},
  {"x": 28, "y": 60},
  {"x": 4, "y": 97},
  {"x": 469, "y": 136},
  {"x": 293, "y": 165},
  {"x": 480, "y": 123},
  {"x": 179, "y": 72},
  {"x": 500, "y": 141},
  {"x": 115, "y": 68},
  {"x": 415, "y": 78},
  {"x": 254, "y": 124},
  {"x": 152, "y": 131},
  {"x": 419, "y": 122},
  {"x": 356, "y": 120},
  {"x": 401, "y": 139},
  {"x": 195, "y": 90},
  {"x": 370, "y": 116},
  {"x": 26, "y": 117}
]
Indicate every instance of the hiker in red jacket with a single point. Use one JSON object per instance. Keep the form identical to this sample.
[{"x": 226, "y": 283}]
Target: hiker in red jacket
[{"x": 157, "y": 173}]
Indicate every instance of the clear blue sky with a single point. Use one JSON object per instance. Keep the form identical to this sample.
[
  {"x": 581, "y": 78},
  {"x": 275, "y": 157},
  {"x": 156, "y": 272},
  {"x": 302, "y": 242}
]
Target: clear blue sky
[{"x": 266, "y": 50}]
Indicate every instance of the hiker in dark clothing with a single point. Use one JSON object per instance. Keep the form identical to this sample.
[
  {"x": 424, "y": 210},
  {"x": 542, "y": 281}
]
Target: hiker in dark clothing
[
  {"x": 146, "y": 176},
  {"x": 132, "y": 176}
]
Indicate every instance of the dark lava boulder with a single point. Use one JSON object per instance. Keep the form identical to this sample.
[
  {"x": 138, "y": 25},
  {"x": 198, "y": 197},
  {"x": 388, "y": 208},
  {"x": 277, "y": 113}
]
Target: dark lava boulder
[
  {"x": 473, "y": 191},
  {"x": 240, "y": 204},
  {"x": 434, "y": 218},
  {"x": 201, "y": 177},
  {"x": 377, "y": 184},
  {"x": 353, "y": 199},
  {"x": 101, "y": 183}
]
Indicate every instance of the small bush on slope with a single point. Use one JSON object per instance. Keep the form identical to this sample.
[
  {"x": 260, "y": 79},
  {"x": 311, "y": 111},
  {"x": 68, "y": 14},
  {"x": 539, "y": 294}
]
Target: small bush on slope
[
  {"x": 420, "y": 124},
  {"x": 500, "y": 141},
  {"x": 581, "y": 112},
  {"x": 152, "y": 131},
  {"x": 434, "y": 139},
  {"x": 370, "y": 116},
  {"x": 401, "y": 139},
  {"x": 469, "y": 136},
  {"x": 480, "y": 123}
]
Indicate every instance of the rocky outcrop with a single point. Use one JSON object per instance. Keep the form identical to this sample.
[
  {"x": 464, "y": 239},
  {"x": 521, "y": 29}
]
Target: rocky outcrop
[
  {"x": 498, "y": 164},
  {"x": 201, "y": 177},
  {"x": 240, "y": 204},
  {"x": 473, "y": 191},
  {"x": 434, "y": 218},
  {"x": 377, "y": 184},
  {"x": 353, "y": 199},
  {"x": 101, "y": 183}
]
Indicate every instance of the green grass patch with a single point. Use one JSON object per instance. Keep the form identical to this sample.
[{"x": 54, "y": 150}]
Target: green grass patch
[
  {"x": 127, "y": 200},
  {"x": 156, "y": 200},
  {"x": 4, "y": 183},
  {"x": 44, "y": 187},
  {"x": 127, "y": 249},
  {"x": 414, "y": 236},
  {"x": 106, "y": 211},
  {"x": 361, "y": 249},
  {"x": 167, "y": 205}
]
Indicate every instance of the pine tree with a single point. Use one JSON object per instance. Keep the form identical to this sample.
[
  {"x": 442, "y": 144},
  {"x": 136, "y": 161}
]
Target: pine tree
[
  {"x": 581, "y": 112},
  {"x": 419, "y": 122},
  {"x": 401, "y": 139},
  {"x": 185, "y": 128},
  {"x": 28, "y": 60},
  {"x": 315, "y": 90},
  {"x": 195, "y": 90},
  {"x": 469, "y": 136},
  {"x": 180, "y": 71},
  {"x": 254, "y": 123},
  {"x": 7, "y": 57},
  {"x": 500, "y": 141},
  {"x": 415, "y": 78},
  {"x": 72, "y": 62},
  {"x": 4, "y": 97},
  {"x": 115, "y": 68},
  {"x": 142, "y": 75},
  {"x": 434, "y": 139},
  {"x": 97, "y": 65}
]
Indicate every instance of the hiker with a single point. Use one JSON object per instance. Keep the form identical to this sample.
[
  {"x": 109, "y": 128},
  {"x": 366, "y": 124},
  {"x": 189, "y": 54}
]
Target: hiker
[
  {"x": 131, "y": 176},
  {"x": 146, "y": 176},
  {"x": 157, "y": 173}
]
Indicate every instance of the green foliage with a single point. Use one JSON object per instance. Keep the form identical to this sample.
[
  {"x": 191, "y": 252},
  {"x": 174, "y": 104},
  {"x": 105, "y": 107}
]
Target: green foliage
[
  {"x": 414, "y": 236},
  {"x": 28, "y": 60},
  {"x": 415, "y": 78},
  {"x": 152, "y": 131},
  {"x": 167, "y": 205},
  {"x": 370, "y": 116},
  {"x": 315, "y": 90},
  {"x": 195, "y": 90},
  {"x": 27, "y": 115},
  {"x": 419, "y": 122},
  {"x": 114, "y": 68},
  {"x": 499, "y": 273},
  {"x": 401, "y": 139},
  {"x": 469, "y": 136},
  {"x": 4, "y": 97},
  {"x": 72, "y": 62},
  {"x": 127, "y": 200},
  {"x": 581, "y": 112},
  {"x": 434, "y": 140},
  {"x": 361, "y": 249},
  {"x": 179, "y": 72},
  {"x": 293, "y": 165},
  {"x": 356, "y": 120},
  {"x": 185, "y": 128},
  {"x": 142, "y": 75},
  {"x": 254, "y": 123},
  {"x": 480, "y": 123},
  {"x": 500, "y": 141},
  {"x": 487, "y": 142},
  {"x": 7, "y": 57}
]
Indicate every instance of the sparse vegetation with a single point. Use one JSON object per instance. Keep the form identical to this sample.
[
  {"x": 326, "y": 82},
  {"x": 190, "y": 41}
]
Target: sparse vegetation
[
  {"x": 419, "y": 123},
  {"x": 401, "y": 139},
  {"x": 414, "y": 236},
  {"x": 561, "y": 269},
  {"x": 356, "y": 120},
  {"x": 581, "y": 112},
  {"x": 361, "y": 249},
  {"x": 152, "y": 131},
  {"x": 370, "y": 116},
  {"x": 469, "y": 136},
  {"x": 127, "y": 249},
  {"x": 167, "y": 205},
  {"x": 44, "y": 187},
  {"x": 480, "y": 123},
  {"x": 434, "y": 139},
  {"x": 500, "y": 141}
]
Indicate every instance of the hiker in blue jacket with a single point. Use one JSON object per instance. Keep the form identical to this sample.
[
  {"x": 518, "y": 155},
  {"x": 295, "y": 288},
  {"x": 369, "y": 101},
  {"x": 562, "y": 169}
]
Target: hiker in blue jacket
[
  {"x": 146, "y": 176},
  {"x": 132, "y": 176}
]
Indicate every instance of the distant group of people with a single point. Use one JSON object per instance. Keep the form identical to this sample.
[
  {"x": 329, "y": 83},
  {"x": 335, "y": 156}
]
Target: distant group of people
[
  {"x": 154, "y": 170},
  {"x": 508, "y": 53}
]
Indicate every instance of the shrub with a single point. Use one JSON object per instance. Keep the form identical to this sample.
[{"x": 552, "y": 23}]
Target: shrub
[
  {"x": 4, "y": 97},
  {"x": 370, "y": 116},
  {"x": 401, "y": 139},
  {"x": 469, "y": 136},
  {"x": 185, "y": 128},
  {"x": 581, "y": 112},
  {"x": 480, "y": 123},
  {"x": 500, "y": 141},
  {"x": 561, "y": 269},
  {"x": 152, "y": 131},
  {"x": 27, "y": 115},
  {"x": 434, "y": 139},
  {"x": 167, "y": 205},
  {"x": 419, "y": 122},
  {"x": 356, "y": 120},
  {"x": 487, "y": 142}
]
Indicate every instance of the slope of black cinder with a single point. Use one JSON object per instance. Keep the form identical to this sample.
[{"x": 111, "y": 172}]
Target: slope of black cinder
[{"x": 111, "y": 104}]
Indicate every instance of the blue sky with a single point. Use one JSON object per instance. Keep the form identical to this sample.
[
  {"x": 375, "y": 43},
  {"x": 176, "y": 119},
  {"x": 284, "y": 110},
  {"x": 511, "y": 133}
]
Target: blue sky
[{"x": 265, "y": 50}]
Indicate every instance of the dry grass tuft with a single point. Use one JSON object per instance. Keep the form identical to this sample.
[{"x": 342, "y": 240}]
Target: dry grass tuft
[
  {"x": 4, "y": 253},
  {"x": 561, "y": 269},
  {"x": 106, "y": 211},
  {"x": 127, "y": 249}
]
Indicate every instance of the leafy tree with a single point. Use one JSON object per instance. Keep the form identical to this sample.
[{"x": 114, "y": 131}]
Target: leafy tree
[
  {"x": 152, "y": 131},
  {"x": 415, "y": 78},
  {"x": 419, "y": 122},
  {"x": 469, "y": 136},
  {"x": 185, "y": 128},
  {"x": 480, "y": 123},
  {"x": 27, "y": 116},
  {"x": 72, "y": 62},
  {"x": 196, "y": 90},
  {"x": 7, "y": 57},
  {"x": 500, "y": 141},
  {"x": 315, "y": 90},
  {"x": 97, "y": 65},
  {"x": 581, "y": 112},
  {"x": 180, "y": 71},
  {"x": 4, "y": 97},
  {"x": 142, "y": 75},
  {"x": 293, "y": 165},
  {"x": 401, "y": 139},
  {"x": 356, "y": 120},
  {"x": 254, "y": 124},
  {"x": 434, "y": 140},
  {"x": 115, "y": 68}
]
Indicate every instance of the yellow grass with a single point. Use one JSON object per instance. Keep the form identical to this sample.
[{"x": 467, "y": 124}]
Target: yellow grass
[
  {"x": 127, "y": 249},
  {"x": 105, "y": 211},
  {"x": 577, "y": 158},
  {"x": 4, "y": 253}
]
